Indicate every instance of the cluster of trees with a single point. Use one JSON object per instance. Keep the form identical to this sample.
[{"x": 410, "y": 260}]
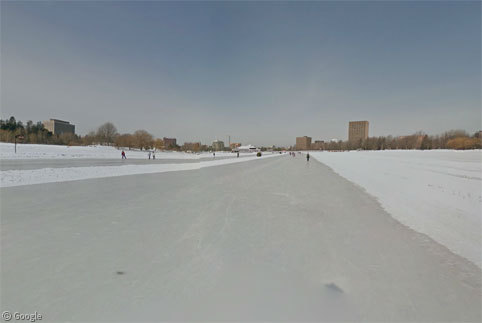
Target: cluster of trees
[
  {"x": 454, "y": 139},
  {"x": 34, "y": 133},
  {"x": 106, "y": 134}
]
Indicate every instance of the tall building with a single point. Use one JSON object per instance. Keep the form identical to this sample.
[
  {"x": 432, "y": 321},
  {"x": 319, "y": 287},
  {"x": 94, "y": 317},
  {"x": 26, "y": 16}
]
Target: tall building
[
  {"x": 357, "y": 130},
  {"x": 169, "y": 142},
  {"x": 218, "y": 145},
  {"x": 303, "y": 143},
  {"x": 58, "y": 127}
]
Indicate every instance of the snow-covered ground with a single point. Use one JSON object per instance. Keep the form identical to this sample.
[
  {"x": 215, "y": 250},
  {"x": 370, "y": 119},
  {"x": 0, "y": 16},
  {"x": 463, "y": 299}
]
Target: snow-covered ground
[
  {"x": 31, "y": 151},
  {"x": 21, "y": 177},
  {"x": 438, "y": 192},
  {"x": 18, "y": 177}
]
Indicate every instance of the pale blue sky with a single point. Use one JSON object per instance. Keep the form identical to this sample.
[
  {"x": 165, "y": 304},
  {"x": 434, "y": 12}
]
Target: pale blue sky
[{"x": 263, "y": 73}]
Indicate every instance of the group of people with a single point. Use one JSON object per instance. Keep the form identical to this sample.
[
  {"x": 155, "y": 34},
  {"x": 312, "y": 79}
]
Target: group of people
[
  {"x": 123, "y": 155},
  {"x": 293, "y": 154}
]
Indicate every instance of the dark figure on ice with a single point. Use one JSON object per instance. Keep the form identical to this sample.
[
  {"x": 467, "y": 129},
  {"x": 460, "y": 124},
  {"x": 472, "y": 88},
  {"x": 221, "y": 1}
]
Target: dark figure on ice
[
  {"x": 308, "y": 157},
  {"x": 214, "y": 155},
  {"x": 237, "y": 154},
  {"x": 123, "y": 154},
  {"x": 153, "y": 155},
  {"x": 149, "y": 154}
]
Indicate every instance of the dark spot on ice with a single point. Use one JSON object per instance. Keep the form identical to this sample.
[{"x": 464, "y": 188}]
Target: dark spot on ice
[
  {"x": 120, "y": 272},
  {"x": 334, "y": 287}
]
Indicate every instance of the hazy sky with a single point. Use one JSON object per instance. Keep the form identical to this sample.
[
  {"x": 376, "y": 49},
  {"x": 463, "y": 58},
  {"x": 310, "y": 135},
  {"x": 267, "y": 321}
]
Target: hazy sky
[{"x": 263, "y": 73}]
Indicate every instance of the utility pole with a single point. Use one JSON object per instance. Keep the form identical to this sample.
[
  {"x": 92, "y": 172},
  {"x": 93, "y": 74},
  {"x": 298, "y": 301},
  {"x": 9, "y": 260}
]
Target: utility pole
[{"x": 20, "y": 137}]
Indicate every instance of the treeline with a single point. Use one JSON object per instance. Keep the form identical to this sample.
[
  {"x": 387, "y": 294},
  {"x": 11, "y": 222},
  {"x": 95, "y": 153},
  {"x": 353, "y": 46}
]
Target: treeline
[
  {"x": 106, "y": 134},
  {"x": 454, "y": 139},
  {"x": 34, "y": 133}
]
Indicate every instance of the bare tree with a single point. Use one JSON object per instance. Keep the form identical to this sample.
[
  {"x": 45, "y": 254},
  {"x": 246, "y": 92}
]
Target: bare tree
[
  {"x": 158, "y": 143},
  {"x": 107, "y": 133},
  {"x": 143, "y": 139}
]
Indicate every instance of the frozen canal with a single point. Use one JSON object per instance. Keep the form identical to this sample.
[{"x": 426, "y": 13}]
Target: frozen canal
[
  {"x": 25, "y": 164},
  {"x": 272, "y": 239}
]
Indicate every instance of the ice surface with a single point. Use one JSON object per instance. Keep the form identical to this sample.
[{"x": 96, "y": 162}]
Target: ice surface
[
  {"x": 276, "y": 239},
  {"x": 436, "y": 192}
]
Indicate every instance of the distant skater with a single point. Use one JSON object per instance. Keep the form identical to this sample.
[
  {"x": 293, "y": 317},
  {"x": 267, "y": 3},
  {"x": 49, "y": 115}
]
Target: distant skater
[
  {"x": 123, "y": 154},
  {"x": 307, "y": 157},
  {"x": 149, "y": 154},
  {"x": 214, "y": 154},
  {"x": 153, "y": 155},
  {"x": 237, "y": 154}
]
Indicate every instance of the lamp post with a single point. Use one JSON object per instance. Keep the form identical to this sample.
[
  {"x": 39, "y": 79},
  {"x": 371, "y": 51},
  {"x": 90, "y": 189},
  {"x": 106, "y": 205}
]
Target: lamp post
[{"x": 19, "y": 137}]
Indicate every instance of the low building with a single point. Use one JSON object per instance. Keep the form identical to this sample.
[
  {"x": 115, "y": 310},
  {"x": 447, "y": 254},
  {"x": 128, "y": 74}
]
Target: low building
[
  {"x": 303, "y": 143},
  {"x": 234, "y": 145},
  {"x": 318, "y": 145},
  {"x": 246, "y": 149},
  {"x": 58, "y": 127},
  {"x": 218, "y": 145},
  {"x": 169, "y": 143}
]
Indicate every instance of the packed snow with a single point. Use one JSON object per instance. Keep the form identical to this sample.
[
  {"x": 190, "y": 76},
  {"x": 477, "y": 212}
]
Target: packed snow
[
  {"x": 32, "y": 151},
  {"x": 437, "y": 192},
  {"x": 21, "y": 177}
]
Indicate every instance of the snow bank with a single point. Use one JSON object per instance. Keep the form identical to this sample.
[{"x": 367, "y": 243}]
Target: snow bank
[
  {"x": 49, "y": 175},
  {"x": 31, "y": 151},
  {"x": 438, "y": 192}
]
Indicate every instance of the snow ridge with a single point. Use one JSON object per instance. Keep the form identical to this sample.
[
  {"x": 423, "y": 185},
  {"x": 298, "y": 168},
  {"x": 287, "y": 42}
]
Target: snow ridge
[{"x": 437, "y": 192}]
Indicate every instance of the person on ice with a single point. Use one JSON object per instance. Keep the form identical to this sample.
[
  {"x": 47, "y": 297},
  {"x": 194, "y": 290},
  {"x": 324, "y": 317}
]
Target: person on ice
[
  {"x": 123, "y": 154},
  {"x": 153, "y": 155},
  {"x": 237, "y": 154},
  {"x": 308, "y": 157},
  {"x": 214, "y": 155},
  {"x": 149, "y": 154}
]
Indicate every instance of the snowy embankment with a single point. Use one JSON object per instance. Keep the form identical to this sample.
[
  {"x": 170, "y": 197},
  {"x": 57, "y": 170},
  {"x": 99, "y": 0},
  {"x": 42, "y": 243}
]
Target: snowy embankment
[
  {"x": 9, "y": 178},
  {"x": 438, "y": 193},
  {"x": 31, "y": 151}
]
